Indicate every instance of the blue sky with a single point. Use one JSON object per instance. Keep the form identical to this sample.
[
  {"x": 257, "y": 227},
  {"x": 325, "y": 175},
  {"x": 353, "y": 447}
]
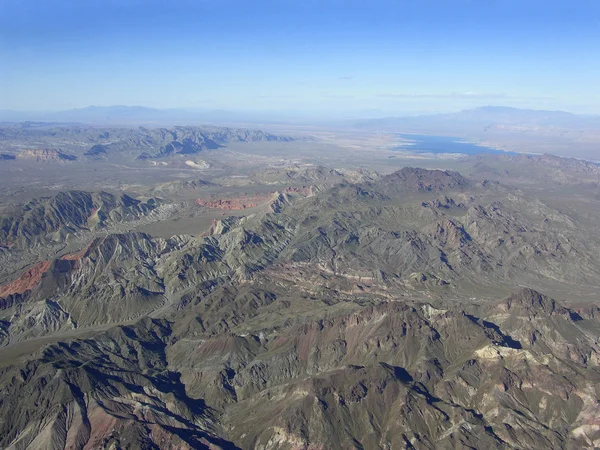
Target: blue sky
[{"x": 328, "y": 55}]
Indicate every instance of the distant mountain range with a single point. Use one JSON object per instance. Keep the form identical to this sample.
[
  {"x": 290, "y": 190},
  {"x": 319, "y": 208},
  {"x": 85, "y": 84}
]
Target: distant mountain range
[
  {"x": 140, "y": 115},
  {"x": 490, "y": 116},
  {"x": 123, "y": 115},
  {"x": 510, "y": 129}
]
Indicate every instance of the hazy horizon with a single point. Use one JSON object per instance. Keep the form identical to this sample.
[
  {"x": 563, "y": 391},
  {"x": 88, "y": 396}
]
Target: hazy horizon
[
  {"x": 287, "y": 110},
  {"x": 147, "y": 116}
]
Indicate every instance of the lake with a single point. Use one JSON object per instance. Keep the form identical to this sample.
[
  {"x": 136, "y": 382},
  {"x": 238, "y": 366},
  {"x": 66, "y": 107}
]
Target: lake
[{"x": 421, "y": 143}]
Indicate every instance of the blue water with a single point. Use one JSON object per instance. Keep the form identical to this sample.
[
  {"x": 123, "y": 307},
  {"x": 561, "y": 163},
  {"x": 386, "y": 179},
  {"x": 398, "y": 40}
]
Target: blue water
[{"x": 421, "y": 143}]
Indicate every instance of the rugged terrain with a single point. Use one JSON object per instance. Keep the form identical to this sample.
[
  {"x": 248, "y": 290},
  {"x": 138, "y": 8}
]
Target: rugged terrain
[
  {"x": 305, "y": 307},
  {"x": 113, "y": 143}
]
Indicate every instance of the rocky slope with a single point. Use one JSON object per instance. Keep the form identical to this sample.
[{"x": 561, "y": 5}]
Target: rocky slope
[
  {"x": 53, "y": 218},
  {"x": 394, "y": 375}
]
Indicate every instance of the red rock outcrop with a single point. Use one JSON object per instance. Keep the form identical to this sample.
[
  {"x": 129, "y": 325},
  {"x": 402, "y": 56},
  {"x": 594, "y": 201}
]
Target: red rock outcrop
[
  {"x": 234, "y": 204},
  {"x": 27, "y": 281}
]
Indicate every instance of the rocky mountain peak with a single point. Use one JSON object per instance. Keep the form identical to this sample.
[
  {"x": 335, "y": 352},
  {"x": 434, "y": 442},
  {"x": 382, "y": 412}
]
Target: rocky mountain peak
[
  {"x": 531, "y": 301},
  {"x": 417, "y": 179}
]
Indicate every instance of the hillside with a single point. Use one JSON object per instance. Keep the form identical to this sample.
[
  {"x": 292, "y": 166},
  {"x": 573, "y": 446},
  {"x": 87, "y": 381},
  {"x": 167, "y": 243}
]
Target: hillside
[{"x": 387, "y": 314}]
